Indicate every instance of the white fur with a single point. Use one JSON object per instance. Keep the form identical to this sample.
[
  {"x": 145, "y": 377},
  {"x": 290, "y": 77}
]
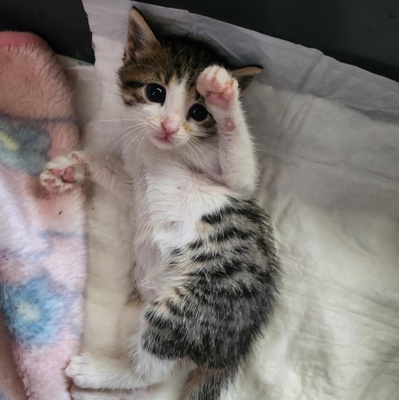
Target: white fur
[{"x": 171, "y": 186}]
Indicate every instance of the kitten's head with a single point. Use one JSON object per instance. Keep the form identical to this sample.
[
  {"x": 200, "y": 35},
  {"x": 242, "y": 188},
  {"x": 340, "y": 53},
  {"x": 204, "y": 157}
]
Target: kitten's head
[{"x": 158, "y": 80}]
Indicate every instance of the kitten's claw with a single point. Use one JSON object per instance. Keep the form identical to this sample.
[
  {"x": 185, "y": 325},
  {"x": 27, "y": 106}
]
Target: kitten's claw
[
  {"x": 64, "y": 172},
  {"x": 218, "y": 87},
  {"x": 83, "y": 371}
]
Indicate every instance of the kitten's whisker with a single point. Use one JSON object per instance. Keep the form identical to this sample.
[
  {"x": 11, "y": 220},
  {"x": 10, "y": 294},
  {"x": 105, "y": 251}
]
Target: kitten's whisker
[
  {"x": 200, "y": 144},
  {"x": 192, "y": 151},
  {"x": 139, "y": 144},
  {"x": 128, "y": 130},
  {"x": 134, "y": 137},
  {"x": 113, "y": 120},
  {"x": 139, "y": 137},
  {"x": 118, "y": 142},
  {"x": 127, "y": 148},
  {"x": 138, "y": 125},
  {"x": 132, "y": 127},
  {"x": 213, "y": 148},
  {"x": 198, "y": 147}
]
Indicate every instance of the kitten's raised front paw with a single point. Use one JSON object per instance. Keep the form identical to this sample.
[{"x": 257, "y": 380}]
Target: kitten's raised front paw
[
  {"x": 84, "y": 371},
  {"x": 218, "y": 87},
  {"x": 64, "y": 172}
]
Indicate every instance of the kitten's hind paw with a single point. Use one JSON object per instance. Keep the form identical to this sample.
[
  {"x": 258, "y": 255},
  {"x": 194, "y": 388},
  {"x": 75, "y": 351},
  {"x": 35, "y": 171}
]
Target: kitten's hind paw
[
  {"x": 64, "y": 172},
  {"x": 85, "y": 372},
  {"x": 218, "y": 87}
]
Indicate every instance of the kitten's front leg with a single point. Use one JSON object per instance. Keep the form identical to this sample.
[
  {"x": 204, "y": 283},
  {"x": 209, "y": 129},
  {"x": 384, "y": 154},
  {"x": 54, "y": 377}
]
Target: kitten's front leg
[
  {"x": 236, "y": 155},
  {"x": 65, "y": 172}
]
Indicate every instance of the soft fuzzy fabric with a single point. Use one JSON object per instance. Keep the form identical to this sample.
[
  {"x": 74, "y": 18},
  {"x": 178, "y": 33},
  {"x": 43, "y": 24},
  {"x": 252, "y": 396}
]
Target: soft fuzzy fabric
[{"x": 42, "y": 238}]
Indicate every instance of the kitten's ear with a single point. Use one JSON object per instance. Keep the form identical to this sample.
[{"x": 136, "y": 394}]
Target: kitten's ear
[
  {"x": 245, "y": 76},
  {"x": 140, "y": 37}
]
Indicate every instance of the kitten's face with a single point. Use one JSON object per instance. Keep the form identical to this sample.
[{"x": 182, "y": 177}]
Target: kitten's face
[
  {"x": 158, "y": 81},
  {"x": 167, "y": 107}
]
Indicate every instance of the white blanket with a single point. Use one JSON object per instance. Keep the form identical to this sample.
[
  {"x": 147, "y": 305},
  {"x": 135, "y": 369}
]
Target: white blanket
[{"x": 328, "y": 136}]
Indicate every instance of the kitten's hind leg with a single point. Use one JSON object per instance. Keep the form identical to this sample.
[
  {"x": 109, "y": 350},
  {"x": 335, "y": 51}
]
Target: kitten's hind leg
[
  {"x": 136, "y": 368},
  {"x": 91, "y": 372},
  {"x": 236, "y": 155}
]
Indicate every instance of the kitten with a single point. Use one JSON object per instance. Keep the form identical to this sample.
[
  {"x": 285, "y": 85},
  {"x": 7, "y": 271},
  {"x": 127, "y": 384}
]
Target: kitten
[{"x": 206, "y": 272}]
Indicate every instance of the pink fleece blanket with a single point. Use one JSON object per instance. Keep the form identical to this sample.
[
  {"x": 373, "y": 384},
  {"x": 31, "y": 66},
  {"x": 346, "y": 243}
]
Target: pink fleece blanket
[{"x": 42, "y": 237}]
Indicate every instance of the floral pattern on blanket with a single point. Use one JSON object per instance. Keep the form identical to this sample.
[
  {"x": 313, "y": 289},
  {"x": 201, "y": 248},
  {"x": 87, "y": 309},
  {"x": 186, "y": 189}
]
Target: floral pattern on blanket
[
  {"x": 23, "y": 144},
  {"x": 33, "y": 296},
  {"x": 42, "y": 260},
  {"x": 32, "y": 311}
]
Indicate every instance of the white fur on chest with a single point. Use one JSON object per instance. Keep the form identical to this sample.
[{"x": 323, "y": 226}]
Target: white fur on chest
[{"x": 170, "y": 199}]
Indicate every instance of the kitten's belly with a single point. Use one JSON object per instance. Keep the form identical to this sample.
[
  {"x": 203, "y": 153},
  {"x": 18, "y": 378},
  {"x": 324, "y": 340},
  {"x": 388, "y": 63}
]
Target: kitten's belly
[
  {"x": 171, "y": 203},
  {"x": 152, "y": 245},
  {"x": 167, "y": 217}
]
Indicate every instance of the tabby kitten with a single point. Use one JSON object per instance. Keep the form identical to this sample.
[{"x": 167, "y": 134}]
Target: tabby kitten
[{"x": 206, "y": 272}]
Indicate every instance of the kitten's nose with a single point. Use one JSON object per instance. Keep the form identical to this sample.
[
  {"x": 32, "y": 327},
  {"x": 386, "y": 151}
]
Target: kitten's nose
[{"x": 170, "y": 124}]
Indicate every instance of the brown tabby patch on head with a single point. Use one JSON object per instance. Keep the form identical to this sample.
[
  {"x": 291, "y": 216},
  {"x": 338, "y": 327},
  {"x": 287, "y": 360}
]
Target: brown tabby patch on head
[
  {"x": 167, "y": 59},
  {"x": 150, "y": 59},
  {"x": 164, "y": 61}
]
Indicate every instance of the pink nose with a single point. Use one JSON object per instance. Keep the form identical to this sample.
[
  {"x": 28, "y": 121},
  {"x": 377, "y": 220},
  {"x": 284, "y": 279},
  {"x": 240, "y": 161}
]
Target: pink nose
[{"x": 170, "y": 125}]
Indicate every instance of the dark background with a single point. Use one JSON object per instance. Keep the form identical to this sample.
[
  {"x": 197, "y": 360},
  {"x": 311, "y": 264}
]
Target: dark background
[
  {"x": 62, "y": 23},
  {"x": 359, "y": 32}
]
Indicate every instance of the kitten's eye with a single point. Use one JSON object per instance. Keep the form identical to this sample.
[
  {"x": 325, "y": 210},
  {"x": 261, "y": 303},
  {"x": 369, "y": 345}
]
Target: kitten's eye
[
  {"x": 198, "y": 112},
  {"x": 156, "y": 93}
]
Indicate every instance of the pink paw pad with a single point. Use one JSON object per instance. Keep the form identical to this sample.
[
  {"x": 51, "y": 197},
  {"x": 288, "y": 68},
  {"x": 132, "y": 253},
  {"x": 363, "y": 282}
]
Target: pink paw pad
[
  {"x": 69, "y": 175},
  {"x": 229, "y": 125},
  {"x": 217, "y": 86},
  {"x": 64, "y": 173}
]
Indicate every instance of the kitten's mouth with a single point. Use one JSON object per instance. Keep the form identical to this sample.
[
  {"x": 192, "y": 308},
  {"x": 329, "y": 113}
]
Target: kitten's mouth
[
  {"x": 160, "y": 139},
  {"x": 163, "y": 139}
]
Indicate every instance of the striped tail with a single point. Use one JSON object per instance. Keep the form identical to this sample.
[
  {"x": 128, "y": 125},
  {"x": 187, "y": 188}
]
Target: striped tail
[{"x": 206, "y": 384}]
